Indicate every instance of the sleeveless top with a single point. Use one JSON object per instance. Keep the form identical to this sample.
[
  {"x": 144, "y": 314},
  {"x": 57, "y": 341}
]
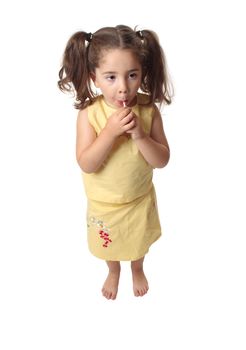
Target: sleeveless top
[{"x": 124, "y": 175}]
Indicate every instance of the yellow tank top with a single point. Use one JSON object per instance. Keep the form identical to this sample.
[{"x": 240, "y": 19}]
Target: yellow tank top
[{"x": 125, "y": 175}]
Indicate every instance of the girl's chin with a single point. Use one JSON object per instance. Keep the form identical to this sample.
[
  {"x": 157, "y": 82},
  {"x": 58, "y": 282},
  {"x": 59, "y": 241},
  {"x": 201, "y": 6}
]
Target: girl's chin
[
  {"x": 118, "y": 103},
  {"x": 122, "y": 103}
]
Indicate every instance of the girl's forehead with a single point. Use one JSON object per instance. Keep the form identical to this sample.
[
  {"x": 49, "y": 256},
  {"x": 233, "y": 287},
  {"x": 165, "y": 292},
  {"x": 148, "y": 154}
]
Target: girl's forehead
[{"x": 110, "y": 56}]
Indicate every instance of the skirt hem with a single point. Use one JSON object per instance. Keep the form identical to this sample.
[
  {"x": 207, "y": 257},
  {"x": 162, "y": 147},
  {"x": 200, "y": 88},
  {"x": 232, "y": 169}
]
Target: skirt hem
[{"x": 126, "y": 258}]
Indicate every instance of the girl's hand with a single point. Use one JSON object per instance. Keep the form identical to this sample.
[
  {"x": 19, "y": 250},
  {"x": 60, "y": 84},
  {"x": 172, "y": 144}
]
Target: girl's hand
[
  {"x": 136, "y": 131},
  {"x": 120, "y": 122}
]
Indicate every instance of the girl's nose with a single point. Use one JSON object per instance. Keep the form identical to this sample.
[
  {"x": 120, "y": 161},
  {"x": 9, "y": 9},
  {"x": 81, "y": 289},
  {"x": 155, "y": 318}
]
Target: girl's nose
[{"x": 123, "y": 87}]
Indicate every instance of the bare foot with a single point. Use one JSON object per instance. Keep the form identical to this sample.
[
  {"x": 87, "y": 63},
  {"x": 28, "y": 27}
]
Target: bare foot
[
  {"x": 110, "y": 287},
  {"x": 140, "y": 283}
]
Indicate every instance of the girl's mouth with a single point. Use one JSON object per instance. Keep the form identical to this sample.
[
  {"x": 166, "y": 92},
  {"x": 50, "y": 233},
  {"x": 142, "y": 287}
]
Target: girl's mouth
[{"x": 123, "y": 103}]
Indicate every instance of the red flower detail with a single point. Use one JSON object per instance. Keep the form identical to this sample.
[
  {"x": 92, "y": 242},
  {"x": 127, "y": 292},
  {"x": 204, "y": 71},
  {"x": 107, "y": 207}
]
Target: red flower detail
[{"x": 105, "y": 237}]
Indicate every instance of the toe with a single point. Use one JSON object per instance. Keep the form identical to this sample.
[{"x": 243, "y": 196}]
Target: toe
[{"x": 105, "y": 293}]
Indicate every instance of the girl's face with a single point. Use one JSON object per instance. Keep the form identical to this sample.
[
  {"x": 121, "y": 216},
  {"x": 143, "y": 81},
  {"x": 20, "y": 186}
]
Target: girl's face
[{"x": 118, "y": 77}]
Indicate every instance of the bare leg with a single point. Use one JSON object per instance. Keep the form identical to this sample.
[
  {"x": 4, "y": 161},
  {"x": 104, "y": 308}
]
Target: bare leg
[
  {"x": 140, "y": 283},
  {"x": 110, "y": 287}
]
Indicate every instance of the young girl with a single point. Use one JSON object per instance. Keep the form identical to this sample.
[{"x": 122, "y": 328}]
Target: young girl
[{"x": 120, "y": 139}]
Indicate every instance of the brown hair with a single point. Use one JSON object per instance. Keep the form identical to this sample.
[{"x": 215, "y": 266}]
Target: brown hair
[{"x": 83, "y": 53}]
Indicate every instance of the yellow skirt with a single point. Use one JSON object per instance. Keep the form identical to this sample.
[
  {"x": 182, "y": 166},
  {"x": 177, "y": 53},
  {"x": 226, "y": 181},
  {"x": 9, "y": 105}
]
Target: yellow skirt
[{"x": 123, "y": 231}]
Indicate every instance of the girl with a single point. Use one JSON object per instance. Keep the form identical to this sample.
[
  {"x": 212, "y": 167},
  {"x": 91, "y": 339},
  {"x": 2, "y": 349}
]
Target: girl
[{"x": 120, "y": 139}]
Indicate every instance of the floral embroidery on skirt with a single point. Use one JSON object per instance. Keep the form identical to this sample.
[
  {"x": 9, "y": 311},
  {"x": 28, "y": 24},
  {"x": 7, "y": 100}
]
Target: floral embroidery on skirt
[{"x": 103, "y": 230}]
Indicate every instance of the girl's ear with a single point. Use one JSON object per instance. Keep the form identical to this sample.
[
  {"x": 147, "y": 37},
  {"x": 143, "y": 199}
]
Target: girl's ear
[{"x": 93, "y": 78}]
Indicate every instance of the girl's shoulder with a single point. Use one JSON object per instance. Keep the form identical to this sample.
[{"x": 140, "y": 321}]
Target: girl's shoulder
[
  {"x": 143, "y": 99},
  {"x": 95, "y": 100}
]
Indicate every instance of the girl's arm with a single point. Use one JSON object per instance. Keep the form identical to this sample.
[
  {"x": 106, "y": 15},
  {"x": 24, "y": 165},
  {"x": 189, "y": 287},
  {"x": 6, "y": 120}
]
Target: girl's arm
[
  {"x": 91, "y": 150},
  {"x": 154, "y": 147}
]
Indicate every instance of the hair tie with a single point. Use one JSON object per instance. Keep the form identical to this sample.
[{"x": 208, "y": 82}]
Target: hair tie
[
  {"x": 140, "y": 34},
  {"x": 88, "y": 37}
]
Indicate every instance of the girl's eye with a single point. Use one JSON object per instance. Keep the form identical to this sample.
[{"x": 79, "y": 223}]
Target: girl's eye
[
  {"x": 110, "y": 77},
  {"x": 133, "y": 75}
]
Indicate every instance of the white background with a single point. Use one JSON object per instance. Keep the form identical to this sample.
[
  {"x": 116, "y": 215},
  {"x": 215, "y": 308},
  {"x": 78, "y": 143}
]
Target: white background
[{"x": 50, "y": 283}]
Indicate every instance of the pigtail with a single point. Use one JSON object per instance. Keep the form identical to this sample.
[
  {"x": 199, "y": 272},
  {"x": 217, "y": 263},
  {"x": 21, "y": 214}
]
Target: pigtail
[
  {"x": 74, "y": 73},
  {"x": 155, "y": 81}
]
